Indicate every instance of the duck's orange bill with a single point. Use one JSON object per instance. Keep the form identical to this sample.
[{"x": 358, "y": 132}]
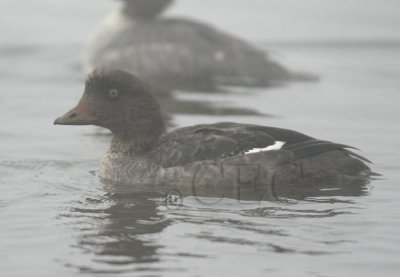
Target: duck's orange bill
[{"x": 80, "y": 115}]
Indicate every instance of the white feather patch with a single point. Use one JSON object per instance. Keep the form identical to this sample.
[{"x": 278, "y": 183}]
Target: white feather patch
[
  {"x": 219, "y": 56},
  {"x": 276, "y": 146}
]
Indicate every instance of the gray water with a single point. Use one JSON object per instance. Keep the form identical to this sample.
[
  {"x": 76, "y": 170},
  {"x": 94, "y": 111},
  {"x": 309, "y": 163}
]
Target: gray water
[{"x": 57, "y": 219}]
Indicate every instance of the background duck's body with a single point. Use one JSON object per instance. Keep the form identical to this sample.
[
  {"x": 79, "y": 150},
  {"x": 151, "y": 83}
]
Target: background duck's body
[{"x": 173, "y": 53}]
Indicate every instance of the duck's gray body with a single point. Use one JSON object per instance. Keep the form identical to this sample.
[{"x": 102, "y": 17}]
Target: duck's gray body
[
  {"x": 206, "y": 159},
  {"x": 178, "y": 53}
]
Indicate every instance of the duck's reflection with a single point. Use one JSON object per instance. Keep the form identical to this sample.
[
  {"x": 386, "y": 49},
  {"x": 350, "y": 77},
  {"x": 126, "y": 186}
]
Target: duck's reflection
[
  {"x": 116, "y": 239},
  {"x": 171, "y": 104},
  {"x": 124, "y": 220}
]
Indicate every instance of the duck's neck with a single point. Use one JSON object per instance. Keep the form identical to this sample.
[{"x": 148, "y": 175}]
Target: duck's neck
[
  {"x": 138, "y": 139},
  {"x": 130, "y": 146},
  {"x": 144, "y": 10}
]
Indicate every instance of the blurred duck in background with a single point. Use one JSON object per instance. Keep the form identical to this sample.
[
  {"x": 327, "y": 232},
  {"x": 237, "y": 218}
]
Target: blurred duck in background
[{"x": 176, "y": 53}]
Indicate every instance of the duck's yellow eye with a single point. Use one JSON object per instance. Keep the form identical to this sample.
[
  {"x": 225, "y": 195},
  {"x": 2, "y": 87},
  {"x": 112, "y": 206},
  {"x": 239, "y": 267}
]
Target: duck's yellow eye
[{"x": 113, "y": 93}]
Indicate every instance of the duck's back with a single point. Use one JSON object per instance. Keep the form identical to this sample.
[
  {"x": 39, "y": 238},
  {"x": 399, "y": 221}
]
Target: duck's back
[
  {"x": 227, "y": 141},
  {"x": 179, "y": 53}
]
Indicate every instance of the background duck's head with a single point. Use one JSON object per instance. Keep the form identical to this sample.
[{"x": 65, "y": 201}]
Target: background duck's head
[
  {"x": 118, "y": 101},
  {"x": 145, "y": 9}
]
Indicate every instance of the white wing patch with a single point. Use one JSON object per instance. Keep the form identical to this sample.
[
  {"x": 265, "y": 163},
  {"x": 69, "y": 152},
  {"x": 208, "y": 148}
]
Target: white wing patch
[{"x": 276, "y": 146}]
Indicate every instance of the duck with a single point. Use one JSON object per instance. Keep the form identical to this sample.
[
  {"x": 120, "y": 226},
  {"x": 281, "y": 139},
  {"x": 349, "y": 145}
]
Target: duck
[
  {"x": 224, "y": 158},
  {"x": 178, "y": 53}
]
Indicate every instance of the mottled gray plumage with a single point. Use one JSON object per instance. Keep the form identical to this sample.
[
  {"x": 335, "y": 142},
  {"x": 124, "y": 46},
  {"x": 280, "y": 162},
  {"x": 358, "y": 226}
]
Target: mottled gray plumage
[
  {"x": 206, "y": 158},
  {"x": 173, "y": 53}
]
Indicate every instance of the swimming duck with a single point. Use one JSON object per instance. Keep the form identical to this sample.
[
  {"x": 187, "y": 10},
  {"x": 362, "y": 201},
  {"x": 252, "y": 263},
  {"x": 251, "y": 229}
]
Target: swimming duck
[
  {"x": 177, "y": 53},
  {"x": 207, "y": 158}
]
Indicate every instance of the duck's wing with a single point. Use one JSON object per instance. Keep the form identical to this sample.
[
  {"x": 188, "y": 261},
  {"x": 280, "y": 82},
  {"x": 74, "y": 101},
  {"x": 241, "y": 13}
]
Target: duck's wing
[
  {"x": 313, "y": 147},
  {"x": 215, "y": 141},
  {"x": 221, "y": 140}
]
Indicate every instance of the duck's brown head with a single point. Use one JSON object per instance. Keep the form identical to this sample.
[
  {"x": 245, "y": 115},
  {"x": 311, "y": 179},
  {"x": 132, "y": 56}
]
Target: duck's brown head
[{"x": 118, "y": 101}]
